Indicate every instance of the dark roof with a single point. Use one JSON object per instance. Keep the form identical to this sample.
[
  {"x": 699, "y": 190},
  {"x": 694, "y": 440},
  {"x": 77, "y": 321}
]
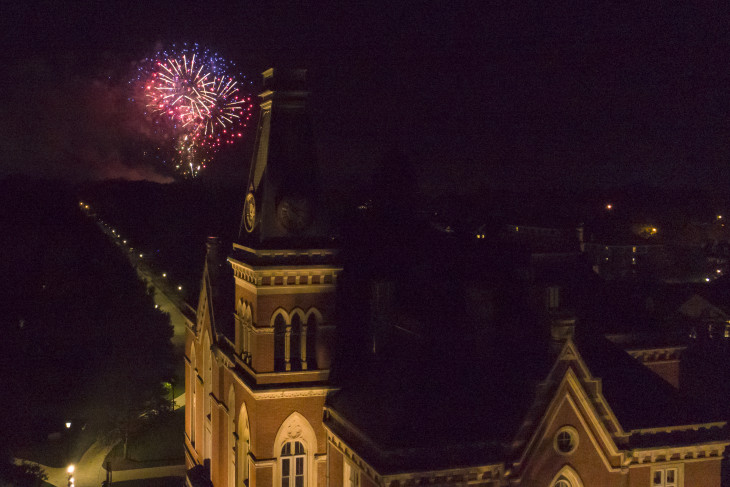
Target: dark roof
[
  {"x": 638, "y": 397},
  {"x": 460, "y": 406},
  {"x": 442, "y": 409}
]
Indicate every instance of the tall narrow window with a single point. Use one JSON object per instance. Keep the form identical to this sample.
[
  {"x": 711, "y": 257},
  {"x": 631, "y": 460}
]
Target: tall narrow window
[
  {"x": 296, "y": 337},
  {"x": 311, "y": 342},
  {"x": 293, "y": 462},
  {"x": 279, "y": 343}
]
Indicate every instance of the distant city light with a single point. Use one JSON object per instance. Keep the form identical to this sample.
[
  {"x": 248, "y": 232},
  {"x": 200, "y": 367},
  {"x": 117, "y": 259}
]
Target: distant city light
[
  {"x": 707, "y": 279},
  {"x": 164, "y": 274},
  {"x": 140, "y": 256},
  {"x": 70, "y": 469},
  {"x": 68, "y": 424},
  {"x": 124, "y": 241},
  {"x": 157, "y": 306},
  {"x": 719, "y": 217},
  {"x": 609, "y": 206}
]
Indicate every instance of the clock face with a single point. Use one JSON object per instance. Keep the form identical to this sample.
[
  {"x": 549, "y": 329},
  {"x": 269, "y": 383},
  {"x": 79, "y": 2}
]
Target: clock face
[
  {"x": 294, "y": 214},
  {"x": 249, "y": 212}
]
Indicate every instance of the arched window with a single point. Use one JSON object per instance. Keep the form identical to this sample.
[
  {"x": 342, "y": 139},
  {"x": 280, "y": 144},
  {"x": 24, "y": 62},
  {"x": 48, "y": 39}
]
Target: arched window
[
  {"x": 296, "y": 342},
  {"x": 244, "y": 446},
  {"x": 191, "y": 393},
  {"x": 207, "y": 400},
  {"x": 294, "y": 447},
  {"x": 566, "y": 477},
  {"x": 231, "y": 436},
  {"x": 246, "y": 325},
  {"x": 293, "y": 464},
  {"x": 280, "y": 343},
  {"x": 311, "y": 346}
]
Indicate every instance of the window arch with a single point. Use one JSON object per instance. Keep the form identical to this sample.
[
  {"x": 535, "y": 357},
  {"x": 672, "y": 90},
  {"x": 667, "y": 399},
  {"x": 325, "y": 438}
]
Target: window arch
[
  {"x": 207, "y": 402},
  {"x": 231, "y": 437},
  {"x": 294, "y": 449},
  {"x": 310, "y": 349},
  {"x": 566, "y": 477},
  {"x": 295, "y": 339},
  {"x": 246, "y": 332},
  {"x": 191, "y": 394},
  {"x": 244, "y": 446},
  {"x": 280, "y": 343},
  {"x": 298, "y": 331}
]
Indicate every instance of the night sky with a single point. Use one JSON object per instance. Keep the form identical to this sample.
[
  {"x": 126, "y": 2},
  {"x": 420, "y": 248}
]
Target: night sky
[{"x": 475, "y": 94}]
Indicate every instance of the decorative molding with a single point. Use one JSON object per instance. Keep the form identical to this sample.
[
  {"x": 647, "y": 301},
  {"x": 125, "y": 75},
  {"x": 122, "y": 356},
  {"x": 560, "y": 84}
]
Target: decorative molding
[
  {"x": 657, "y": 355},
  {"x": 686, "y": 427},
  {"x": 291, "y": 393},
  {"x": 267, "y": 280},
  {"x": 597, "y": 430},
  {"x": 311, "y": 375},
  {"x": 284, "y": 393},
  {"x": 287, "y": 252},
  {"x": 275, "y": 289},
  {"x": 685, "y": 454}
]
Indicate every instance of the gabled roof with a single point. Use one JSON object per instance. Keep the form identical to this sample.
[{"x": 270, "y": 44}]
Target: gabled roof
[{"x": 442, "y": 412}]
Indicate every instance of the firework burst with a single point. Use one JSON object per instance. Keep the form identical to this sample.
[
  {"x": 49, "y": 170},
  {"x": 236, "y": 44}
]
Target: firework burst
[{"x": 191, "y": 97}]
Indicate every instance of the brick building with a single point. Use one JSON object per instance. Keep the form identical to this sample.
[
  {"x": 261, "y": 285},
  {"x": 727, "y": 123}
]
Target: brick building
[{"x": 446, "y": 403}]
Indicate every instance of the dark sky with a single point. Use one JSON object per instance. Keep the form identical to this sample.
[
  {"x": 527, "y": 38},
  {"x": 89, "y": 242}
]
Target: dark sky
[{"x": 475, "y": 94}]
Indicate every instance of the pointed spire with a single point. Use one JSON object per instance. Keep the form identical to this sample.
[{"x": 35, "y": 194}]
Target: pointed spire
[{"x": 281, "y": 206}]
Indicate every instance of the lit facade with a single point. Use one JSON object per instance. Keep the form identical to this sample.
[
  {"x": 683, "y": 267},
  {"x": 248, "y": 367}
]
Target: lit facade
[{"x": 261, "y": 409}]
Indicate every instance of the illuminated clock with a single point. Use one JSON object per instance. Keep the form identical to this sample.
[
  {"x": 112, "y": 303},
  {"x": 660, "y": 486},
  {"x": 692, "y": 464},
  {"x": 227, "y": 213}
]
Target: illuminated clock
[
  {"x": 249, "y": 212},
  {"x": 294, "y": 214}
]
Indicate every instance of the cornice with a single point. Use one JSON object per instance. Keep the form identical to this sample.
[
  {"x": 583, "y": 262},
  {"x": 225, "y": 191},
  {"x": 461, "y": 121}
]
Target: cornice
[
  {"x": 283, "y": 392},
  {"x": 704, "y": 451},
  {"x": 285, "y": 279}
]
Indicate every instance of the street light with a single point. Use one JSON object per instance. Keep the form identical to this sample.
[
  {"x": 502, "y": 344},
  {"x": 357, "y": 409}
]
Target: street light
[{"x": 70, "y": 471}]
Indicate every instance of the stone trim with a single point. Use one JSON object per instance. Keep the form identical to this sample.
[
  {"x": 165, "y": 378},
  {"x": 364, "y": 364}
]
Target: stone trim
[
  {"x": 657, "y": 355},
  {"x": 686, "y": 427},
  {"x": 319, "y": 391},
  {"x": 271, "y": 279},
  {"x": 287, "y": 252},
  {"x": 685, "y": 454}
]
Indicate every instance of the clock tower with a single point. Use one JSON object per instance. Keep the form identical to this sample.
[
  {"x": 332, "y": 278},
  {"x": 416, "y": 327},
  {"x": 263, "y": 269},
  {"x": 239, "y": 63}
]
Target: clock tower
[
  {"x": 269, "y": 376},
  {"x": 281, "y": 203}
]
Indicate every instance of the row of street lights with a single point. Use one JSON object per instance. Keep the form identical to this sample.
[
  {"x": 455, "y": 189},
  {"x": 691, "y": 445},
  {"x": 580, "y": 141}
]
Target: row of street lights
[{"x": 86, "y": 207}]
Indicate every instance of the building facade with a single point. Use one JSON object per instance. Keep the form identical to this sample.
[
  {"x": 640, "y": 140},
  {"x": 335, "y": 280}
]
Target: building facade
[{"x": 261, "y": 409}]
